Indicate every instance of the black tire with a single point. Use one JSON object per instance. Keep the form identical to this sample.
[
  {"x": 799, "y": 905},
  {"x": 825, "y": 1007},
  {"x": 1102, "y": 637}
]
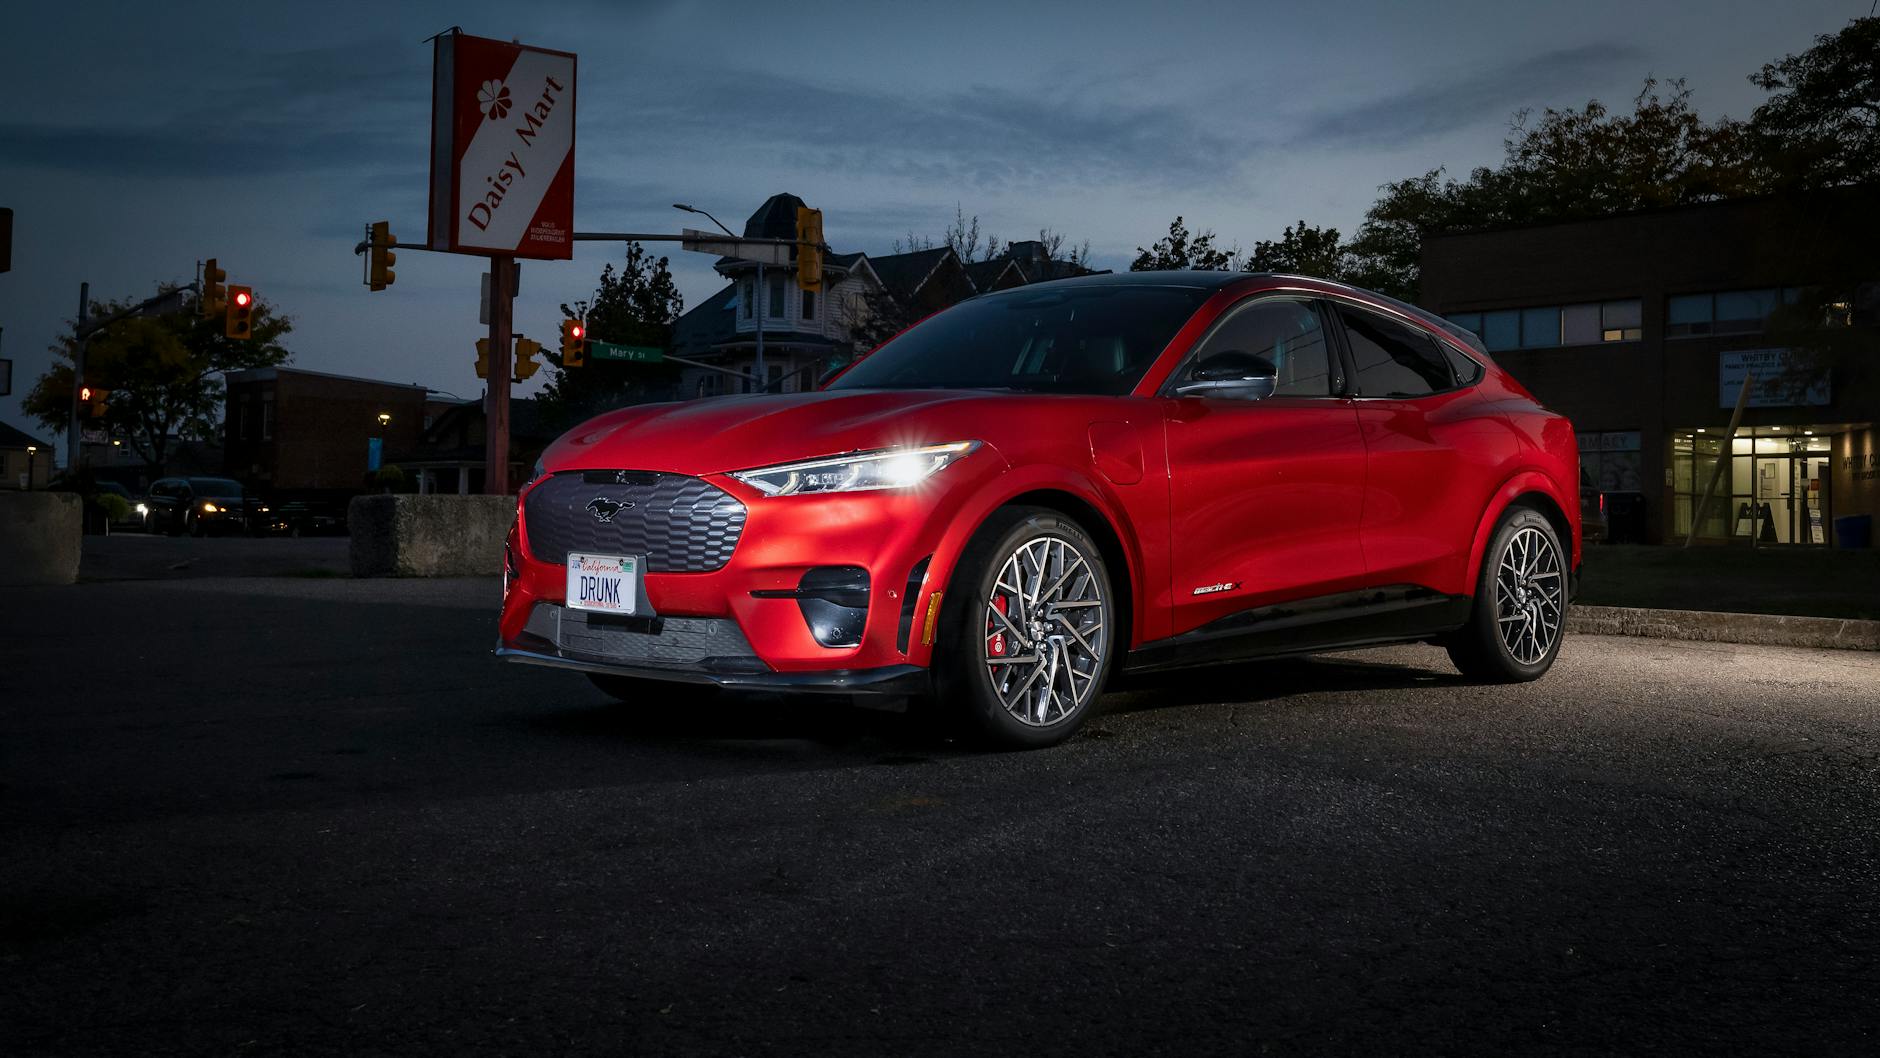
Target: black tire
[
  {"x": 1535, "y": 606},
  {"x": 965, "y": 690}
]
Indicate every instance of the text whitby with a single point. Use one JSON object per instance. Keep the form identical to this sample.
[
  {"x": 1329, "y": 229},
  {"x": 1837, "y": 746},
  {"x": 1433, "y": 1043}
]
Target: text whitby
[{"x": 482, "y": 211}]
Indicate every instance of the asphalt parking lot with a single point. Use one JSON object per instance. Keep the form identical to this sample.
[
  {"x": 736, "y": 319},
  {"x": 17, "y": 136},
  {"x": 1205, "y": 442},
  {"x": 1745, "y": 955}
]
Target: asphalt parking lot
[{"x": 301, "y": 815}]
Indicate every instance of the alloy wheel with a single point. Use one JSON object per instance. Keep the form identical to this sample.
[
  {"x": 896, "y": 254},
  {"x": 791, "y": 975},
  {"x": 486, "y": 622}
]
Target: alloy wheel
[
  {"x": 1530, "y": 596},
  {"x": 1046, "y": 631}
]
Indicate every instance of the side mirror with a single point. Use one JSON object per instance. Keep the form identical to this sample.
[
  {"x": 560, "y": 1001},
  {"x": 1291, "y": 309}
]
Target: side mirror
[{"x": 1232, "y": 375}]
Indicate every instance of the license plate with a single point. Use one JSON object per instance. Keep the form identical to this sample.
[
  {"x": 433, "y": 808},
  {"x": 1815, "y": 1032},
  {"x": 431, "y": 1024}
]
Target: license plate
[{"x": 604, "y": 583}]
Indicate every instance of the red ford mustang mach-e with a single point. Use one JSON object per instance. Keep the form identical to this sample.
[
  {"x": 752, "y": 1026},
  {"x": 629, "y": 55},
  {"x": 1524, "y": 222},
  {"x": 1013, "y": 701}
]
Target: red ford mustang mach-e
[{"x": 1022, "y": 494}]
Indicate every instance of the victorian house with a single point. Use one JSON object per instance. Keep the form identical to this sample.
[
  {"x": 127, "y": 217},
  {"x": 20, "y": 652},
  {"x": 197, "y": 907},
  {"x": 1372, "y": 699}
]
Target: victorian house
[{"x": 808, "y": 333}]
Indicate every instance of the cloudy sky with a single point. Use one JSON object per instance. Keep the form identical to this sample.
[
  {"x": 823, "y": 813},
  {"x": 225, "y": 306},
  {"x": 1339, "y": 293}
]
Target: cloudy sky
[{"x": 141, "y": 138}]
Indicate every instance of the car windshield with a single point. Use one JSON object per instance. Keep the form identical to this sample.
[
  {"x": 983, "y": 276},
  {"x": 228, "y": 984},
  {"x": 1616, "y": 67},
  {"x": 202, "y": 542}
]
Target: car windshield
[
  {"x": 1062, "y": 339},
  {"x": 215, "y": 487}
]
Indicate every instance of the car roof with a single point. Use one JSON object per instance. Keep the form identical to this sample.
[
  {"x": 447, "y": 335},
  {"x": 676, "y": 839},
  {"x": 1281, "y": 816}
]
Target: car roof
[{"x": 1214, "y": 280}]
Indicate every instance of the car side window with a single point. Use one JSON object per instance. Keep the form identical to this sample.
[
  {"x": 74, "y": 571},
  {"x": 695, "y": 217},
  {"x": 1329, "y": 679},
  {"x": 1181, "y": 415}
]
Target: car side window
[
  {"x": 1288, "y": 333},
  {"x": 1389, "y": 359},
  {"x": 1466, "y": 370}
]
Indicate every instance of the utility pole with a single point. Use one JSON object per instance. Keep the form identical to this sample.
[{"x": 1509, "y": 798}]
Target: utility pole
[
  {"x": 496, "y": 400},
  {"x": 78, "y": 376}
]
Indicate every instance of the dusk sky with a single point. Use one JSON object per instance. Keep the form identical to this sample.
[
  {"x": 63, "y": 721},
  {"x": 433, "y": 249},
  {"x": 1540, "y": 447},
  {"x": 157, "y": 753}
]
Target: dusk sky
[{"x": 140, "y": 139}]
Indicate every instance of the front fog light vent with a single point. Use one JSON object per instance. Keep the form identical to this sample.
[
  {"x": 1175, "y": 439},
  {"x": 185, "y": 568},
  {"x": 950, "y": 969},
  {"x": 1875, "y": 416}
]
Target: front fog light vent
[{"x": 834, "y": 601}]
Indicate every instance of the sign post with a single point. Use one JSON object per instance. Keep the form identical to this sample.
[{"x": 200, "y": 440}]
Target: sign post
[{"x": 496, "y": 399}]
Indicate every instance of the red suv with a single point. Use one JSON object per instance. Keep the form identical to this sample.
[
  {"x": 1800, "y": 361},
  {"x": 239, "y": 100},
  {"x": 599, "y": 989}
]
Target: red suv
[{"x": 1023, "y": 494}]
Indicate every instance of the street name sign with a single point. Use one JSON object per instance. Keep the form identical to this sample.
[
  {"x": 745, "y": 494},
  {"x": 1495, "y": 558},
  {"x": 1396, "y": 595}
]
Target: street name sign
[
  {"x": 502, "y": 149},
  {"x": 638, "y": 354}
]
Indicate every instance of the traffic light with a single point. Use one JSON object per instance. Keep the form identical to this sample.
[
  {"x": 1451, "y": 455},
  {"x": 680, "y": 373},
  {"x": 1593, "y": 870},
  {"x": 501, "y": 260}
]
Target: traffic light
[
  {"x": 483, "y": 358},
  {"x": 239, "y": 321},
  {"x": 573, "y": 343},
  {"x": 380, "y": 259},
  {"x": 212, "y": 302},
  {"x": 809, "y": 244},
  {"x": 526, "y": 364},
  {"x": 94, "y": 400}
]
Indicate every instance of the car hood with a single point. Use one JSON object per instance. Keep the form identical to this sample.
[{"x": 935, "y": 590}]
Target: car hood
[{"x": 723, "y": 434}]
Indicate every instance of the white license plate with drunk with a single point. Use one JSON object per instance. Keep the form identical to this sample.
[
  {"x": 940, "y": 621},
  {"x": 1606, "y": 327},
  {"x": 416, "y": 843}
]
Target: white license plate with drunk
[{"x": 605, "y": 583}]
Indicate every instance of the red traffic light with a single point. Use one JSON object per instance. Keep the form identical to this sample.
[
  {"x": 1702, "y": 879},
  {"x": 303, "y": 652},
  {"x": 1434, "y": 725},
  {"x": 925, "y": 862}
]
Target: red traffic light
[
  {"x": 242, "y": 298},
  {"x": 576, "y": 331}
]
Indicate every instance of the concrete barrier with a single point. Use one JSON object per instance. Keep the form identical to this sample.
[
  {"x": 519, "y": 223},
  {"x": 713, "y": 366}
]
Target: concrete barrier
[
  {"x": 429, "y": 536},
  {"x": 40, "y": 534},
  {"x": 1830, "y": 633}
]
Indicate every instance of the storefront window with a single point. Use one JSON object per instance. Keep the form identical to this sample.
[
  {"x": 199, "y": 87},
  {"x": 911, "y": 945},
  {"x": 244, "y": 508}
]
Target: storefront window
[{"x": 1774, "y": 491}]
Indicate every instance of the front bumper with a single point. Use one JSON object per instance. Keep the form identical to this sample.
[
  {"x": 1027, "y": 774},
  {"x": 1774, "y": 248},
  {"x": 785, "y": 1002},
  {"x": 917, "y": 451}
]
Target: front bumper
[{"x": 742, "y": 625}]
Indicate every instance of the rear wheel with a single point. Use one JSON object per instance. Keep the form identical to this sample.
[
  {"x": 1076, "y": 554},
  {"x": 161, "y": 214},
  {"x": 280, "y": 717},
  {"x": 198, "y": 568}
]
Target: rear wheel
[
  {"x": 1028, "y": 640},
  {"x": 1520, "y": 610}
]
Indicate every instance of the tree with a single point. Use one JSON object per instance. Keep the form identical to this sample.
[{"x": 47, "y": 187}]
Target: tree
[
  {"x": 1179, "y": 249},
  {"x": 1065, "y": 257},
  {"x": 163, "y": 374},
  {"x": 1821, "y": 125},
  {"x": 1568, "y": 165},
  {"x": 636, "y": 305},
  {"x": 1301, "y": 249}
]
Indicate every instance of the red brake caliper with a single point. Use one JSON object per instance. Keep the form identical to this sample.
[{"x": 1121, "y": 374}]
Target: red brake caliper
[{"x": 997, "y": 647}]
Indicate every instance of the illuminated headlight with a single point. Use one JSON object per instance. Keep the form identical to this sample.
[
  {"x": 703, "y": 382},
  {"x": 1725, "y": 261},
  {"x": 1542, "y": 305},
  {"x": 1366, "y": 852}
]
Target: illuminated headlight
[
  {"x": 142, "y": 510},
  {"x": 888, "y": 468},
  {"x": 209, "y": 508}
]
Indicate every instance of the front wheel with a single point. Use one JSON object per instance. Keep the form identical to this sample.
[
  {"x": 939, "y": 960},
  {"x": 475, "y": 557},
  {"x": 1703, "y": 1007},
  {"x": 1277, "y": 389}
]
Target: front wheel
[
  {"x": 1520, "y": 611},
  {"x": 1030, "y": 635}
]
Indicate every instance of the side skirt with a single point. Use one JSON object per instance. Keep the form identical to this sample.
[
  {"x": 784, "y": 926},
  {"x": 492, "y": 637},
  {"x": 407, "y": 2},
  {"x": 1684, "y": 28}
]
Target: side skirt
[{"x": 1396, "y": 614}]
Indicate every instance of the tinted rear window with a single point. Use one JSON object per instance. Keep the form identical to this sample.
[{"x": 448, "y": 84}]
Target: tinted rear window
[{"x": 1097, "y": 340}]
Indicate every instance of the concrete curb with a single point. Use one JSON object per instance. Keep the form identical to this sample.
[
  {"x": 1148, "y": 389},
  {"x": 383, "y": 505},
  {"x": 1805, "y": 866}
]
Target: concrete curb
[{"x": 1827, "y": 633}]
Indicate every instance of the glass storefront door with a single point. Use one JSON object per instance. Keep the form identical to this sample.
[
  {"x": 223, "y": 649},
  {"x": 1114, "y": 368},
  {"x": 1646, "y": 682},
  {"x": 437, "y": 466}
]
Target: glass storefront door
[{"x": 1773, "y": 492}]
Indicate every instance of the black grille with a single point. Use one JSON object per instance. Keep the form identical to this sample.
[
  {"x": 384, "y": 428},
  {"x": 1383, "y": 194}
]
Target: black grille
[{"x": 681, "y": 524}]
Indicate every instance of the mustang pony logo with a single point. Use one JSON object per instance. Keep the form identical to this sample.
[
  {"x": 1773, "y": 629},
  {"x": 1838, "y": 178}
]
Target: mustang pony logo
[{"x": 604, "y": 509}]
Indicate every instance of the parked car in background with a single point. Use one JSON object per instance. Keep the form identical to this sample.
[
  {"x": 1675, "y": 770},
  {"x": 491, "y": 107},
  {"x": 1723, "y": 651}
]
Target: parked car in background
[
  {"x": 197, "y": 506},
  {"x": 134, "y": 509},
  {"x": 298, "y": 519},
  {"x": 1593, "y": 525},
  {"x": 1035, "y": 488}
]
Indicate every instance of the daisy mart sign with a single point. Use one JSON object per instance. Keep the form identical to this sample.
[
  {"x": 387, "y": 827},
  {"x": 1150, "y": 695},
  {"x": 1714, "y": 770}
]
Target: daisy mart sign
[{"x": 502, "y": 149}]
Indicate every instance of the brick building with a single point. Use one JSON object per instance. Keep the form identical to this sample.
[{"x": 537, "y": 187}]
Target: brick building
[
  {"x": 1641, "y": 327},
  {"x": 310, "y": 435}
]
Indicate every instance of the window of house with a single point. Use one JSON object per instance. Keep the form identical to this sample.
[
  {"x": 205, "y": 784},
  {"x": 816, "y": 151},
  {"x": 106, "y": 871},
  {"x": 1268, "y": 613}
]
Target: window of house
[
  {"x": 809, "y": 304},
  {"x": 745, "y": 297},
  {"x": 1547, "y": 326},
  {"x": 1392, "y": 360},
  {"x": 776, "y": 297},
  {"x": 1723, "y": 312},
  {"x": 1540, "y": 327},
  {"x": 1622, "y": 321}
]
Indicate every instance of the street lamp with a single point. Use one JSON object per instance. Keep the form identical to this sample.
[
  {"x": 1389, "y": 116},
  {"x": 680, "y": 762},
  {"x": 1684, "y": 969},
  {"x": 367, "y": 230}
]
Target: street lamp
[
  {"x": 385, "y": 419},
  {"x": 31, "y": 450},
  {"x": 702, "y": 213},
  {"x": 757, "y": 367}
]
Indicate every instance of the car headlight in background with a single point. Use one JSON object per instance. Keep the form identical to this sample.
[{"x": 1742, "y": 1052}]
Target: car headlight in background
[
  {"x": 209, "y": 508},
  {"x": 887, "y": 468},
  {"x": 141, "y": 510}
]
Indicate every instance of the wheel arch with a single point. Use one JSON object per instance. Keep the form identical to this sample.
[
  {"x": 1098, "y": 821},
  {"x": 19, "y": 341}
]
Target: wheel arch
[
  {"x": 1066, "y": 498},
  {"x": 1536, "y": 491}
]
